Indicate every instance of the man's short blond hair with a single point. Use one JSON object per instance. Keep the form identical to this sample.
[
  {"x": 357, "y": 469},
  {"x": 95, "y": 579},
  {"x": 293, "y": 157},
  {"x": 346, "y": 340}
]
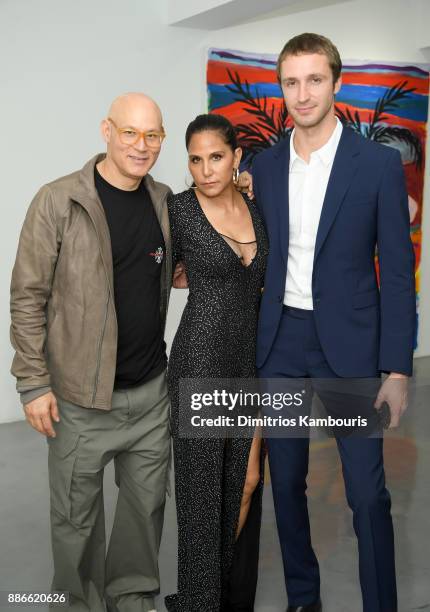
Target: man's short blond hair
[{"x": 312, "y": 43}]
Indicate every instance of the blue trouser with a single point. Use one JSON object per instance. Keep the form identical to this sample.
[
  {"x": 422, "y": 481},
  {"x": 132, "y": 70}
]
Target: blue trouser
[{"x": 297, "y": 353}]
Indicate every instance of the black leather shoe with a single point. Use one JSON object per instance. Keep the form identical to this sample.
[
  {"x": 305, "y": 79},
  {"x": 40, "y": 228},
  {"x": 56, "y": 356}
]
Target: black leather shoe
[{"x": 315, "y": 607}]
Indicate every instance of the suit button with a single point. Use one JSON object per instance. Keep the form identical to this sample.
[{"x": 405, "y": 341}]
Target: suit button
[
  {"x": 317, "y": 300},
  {"x": 280, "y": 299}
]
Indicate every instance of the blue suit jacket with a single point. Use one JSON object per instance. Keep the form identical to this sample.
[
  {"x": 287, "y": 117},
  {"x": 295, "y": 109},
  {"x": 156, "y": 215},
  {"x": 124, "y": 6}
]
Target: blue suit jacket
[{"x": 362, "y": 329}]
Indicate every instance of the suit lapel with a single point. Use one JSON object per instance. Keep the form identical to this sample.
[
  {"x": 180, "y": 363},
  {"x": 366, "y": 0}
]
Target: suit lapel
[
  {"x": 281, "y": 187},
  {"x": 344, "y": 167}
]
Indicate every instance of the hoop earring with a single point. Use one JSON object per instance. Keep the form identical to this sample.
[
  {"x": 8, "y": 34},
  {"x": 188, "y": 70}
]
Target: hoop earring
[
  {"x": 192, "y": 186},
  {"x": 236, "y": 176}
]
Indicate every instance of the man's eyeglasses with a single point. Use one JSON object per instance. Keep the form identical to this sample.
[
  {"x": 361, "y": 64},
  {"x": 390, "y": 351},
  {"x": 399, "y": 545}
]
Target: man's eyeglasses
[{"x": 131, "y": 136}]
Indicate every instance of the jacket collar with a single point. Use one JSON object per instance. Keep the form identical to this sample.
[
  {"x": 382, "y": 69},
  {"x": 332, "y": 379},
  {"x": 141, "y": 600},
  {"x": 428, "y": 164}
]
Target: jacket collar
[
  {"x": 84, "y": 192},
  {"x": 344, "y": 166},
  {"x": 326, "y": 153}
]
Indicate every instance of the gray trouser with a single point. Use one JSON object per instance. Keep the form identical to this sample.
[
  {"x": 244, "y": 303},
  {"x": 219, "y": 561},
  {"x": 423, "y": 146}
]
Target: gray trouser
[{"x": 135, "y": 433}]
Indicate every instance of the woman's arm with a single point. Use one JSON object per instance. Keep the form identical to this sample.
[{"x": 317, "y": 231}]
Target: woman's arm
[{"x": 179, "y": 279}]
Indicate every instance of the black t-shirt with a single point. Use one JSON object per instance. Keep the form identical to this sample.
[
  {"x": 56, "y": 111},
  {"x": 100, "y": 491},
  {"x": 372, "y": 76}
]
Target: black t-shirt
[{"x": 137, "y": 251}]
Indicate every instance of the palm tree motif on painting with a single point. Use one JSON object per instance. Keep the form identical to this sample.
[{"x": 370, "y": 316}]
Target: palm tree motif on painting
[
  {"x": 266, "y": 126},
  {"x": 269, "y": 124},
  {"x": 376, "y": 127}
]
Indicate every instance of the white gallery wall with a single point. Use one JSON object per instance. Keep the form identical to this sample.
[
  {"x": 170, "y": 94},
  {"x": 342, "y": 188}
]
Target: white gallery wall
[{"x": 62, "y": 62}]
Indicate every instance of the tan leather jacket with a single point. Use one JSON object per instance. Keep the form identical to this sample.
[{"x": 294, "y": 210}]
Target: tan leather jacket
[{"x": 64, "y": 328}]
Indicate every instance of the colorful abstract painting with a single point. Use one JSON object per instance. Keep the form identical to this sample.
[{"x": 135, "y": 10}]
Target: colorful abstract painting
[{"x": 386, "y": 102}]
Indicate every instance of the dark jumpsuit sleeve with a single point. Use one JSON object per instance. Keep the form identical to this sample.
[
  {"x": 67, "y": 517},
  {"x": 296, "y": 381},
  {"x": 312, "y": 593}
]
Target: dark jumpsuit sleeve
[{"x": 174, "y": 208}]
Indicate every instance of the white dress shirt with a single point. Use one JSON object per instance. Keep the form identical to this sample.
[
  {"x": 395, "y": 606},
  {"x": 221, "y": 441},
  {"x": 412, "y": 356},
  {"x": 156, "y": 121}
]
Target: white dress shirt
[{"x": 307, "y": 187}]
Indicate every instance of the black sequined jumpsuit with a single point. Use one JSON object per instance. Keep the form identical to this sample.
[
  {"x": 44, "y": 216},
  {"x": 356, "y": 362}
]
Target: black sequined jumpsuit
[{"x": 216, "y": 339}]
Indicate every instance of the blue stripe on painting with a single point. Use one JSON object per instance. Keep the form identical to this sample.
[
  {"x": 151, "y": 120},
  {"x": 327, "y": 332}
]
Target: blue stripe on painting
[
  {"x": 220, "y": 96},
  {"x": 414, "y": 107},
  {"x": 365, "y": 92}
]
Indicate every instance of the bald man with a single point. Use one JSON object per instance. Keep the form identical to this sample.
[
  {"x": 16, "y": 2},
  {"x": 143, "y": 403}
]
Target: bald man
[{"x": 89, "y": 295}]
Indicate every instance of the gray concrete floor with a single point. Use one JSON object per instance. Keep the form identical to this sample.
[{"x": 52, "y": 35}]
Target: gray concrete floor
[{"x": 25, "y": 562}]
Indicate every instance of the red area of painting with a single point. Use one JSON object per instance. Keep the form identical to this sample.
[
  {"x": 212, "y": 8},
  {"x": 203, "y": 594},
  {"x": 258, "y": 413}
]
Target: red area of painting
[
  {"x": 217, "y": 73},
  {"x": 415, "y": 187},
  {"x": 385, "y": 79},
  {"x": 236, "y": 112}
]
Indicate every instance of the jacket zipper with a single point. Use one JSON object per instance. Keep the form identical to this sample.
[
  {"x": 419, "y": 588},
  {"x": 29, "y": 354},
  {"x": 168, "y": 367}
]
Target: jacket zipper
[{"x": 99, "y": 351}]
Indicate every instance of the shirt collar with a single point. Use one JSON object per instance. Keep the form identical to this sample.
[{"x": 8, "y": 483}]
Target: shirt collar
[{"x": 327, "y": 152}]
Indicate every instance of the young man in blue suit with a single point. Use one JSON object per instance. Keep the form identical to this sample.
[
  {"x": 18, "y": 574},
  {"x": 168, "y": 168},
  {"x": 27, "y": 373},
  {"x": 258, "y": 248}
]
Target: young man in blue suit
[{"x": 329, "y": 197}]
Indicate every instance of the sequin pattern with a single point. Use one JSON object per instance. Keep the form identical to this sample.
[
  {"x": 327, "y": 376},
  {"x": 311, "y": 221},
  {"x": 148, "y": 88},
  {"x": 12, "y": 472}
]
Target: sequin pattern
[{"x": 216, "y": 339}]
